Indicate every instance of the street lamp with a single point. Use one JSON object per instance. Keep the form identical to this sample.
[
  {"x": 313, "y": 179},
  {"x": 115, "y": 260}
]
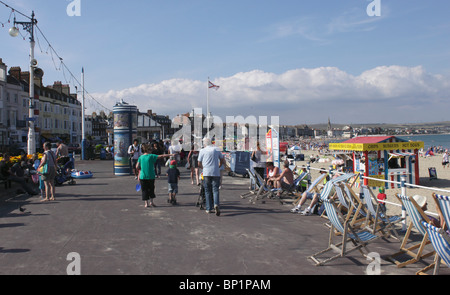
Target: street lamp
[{"x": 14, "y": 32}]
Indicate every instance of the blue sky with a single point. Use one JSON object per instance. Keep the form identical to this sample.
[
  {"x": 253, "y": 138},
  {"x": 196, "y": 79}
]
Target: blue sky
[{"x": 301, "y": 60}]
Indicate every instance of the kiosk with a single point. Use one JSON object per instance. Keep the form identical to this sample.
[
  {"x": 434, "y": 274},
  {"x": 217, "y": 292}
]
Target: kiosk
[{"x": 383, "y": 157}]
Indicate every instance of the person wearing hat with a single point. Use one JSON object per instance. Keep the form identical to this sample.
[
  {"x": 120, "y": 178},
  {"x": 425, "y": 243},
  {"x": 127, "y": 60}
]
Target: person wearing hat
[
  {"x": 422, "y": 203},
  {"x": 382, "y": 198},
  {"x": 173, "y": 176}
]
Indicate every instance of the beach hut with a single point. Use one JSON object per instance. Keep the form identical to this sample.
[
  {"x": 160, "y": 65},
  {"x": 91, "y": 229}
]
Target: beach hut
[{"x": 383, "y": 157}]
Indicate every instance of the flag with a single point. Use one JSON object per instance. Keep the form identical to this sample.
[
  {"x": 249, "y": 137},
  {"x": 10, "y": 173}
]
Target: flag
[{"x": 212, "y": 86}]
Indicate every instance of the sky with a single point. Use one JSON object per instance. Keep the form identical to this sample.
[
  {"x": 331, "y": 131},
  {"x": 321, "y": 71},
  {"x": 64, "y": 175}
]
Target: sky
[{"x": 302, "y": 60}]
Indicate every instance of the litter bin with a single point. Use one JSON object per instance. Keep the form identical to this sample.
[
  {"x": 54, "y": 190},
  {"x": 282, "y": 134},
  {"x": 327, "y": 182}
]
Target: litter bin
[{"x": 240, "y": 162}]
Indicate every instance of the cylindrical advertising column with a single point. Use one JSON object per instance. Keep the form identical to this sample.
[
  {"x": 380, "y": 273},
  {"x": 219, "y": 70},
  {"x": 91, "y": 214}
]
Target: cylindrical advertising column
[{"x": 125, "y": 130}]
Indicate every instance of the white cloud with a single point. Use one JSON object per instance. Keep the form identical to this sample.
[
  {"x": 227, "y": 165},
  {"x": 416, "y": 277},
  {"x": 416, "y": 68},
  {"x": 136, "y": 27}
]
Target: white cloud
[{"x": 383, "y": 94}]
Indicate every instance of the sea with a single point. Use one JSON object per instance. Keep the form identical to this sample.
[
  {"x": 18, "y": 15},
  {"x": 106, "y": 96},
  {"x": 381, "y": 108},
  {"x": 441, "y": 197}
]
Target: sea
[{"x": 431, "y": 140}]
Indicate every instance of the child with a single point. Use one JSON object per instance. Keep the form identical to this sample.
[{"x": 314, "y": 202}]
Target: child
[
  {"x": 36, "y": 163},
  {"x": 381, "y": 198},
  {"x": 173, "y": 176}
]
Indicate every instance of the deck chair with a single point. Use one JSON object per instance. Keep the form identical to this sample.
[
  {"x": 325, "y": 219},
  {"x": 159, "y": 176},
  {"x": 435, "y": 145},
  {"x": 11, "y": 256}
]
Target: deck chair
[
  {"x": 416, "y": 215},
  {"x": 263, "y": 191},
  {"x": 292, "y": 189},
  {"x": 254, "y": 185},
  {"x": 359, "y": 239},
  {"x": 443, "y": 208},
  {"x": 312, "y": 188},
  {"x": 380, "y": 221},
  {"x": 360, "y": 211},
  {"x": 347, "y": 204},
  {"x": 441, "y": 243}
]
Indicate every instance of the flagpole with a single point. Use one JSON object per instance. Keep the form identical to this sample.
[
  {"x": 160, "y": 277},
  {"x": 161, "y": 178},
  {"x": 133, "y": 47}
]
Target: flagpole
[{"x": 207, "y": 108}]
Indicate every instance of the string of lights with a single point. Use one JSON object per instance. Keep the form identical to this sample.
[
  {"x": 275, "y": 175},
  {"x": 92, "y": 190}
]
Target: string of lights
[{"x": 58, "y": 61}]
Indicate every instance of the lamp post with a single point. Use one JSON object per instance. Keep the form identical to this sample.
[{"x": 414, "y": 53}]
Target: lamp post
[{"x": 14, "y": 32}]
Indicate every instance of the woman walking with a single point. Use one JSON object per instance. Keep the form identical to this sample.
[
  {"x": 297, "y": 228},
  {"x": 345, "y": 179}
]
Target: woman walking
[
  {"x": 145, "y": 168},
  {"x": 48, "y": 158},
  {"x": 193, "y": 164}
]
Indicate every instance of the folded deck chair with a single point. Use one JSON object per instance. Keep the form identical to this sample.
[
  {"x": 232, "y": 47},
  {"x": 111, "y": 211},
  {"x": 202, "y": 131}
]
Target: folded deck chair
[
  {"x": 380, "y": 221},
  {"x": 440, "y": 240},
  {"x": 358, "y": 239},
  {"x": 416, "y": 216}
]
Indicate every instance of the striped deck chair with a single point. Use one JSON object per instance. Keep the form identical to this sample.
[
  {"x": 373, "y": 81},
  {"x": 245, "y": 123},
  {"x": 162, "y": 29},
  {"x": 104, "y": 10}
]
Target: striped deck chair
[
  {"x": 293, "y": 188},
  {"x": 380, "y": 221},
  {"x": 312, "y": 188},
  {"x": 441, "y": 243},
  {"x": 359, "y": 239},
  {"x": 327, "y": 191},
  {"x": 360, "y": 213},
  {"x": 348, "y": 204},
  {"x": 443, "y": 208},
  {"x": 416, "y": 216}
]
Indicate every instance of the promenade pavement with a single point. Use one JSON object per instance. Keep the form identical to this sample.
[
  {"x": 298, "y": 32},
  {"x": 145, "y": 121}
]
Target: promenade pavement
[{"x": 103, "y": 220}]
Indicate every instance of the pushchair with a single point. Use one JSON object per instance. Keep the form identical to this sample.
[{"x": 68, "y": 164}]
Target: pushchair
[
  {"x": 64, "y": 173},
  {"x": 201, "y": 201}
]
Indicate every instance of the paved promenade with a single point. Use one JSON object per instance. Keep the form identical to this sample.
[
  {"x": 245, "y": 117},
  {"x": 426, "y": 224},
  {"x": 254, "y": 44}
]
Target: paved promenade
[{"x": 103, "y": 220}]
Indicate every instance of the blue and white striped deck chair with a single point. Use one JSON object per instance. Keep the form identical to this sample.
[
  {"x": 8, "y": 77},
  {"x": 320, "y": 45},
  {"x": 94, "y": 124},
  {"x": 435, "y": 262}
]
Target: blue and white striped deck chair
[
  {"x": 312, "y": 188},
  {"x": 347, "y": 203},
  {"x": 441, "y": 243},
  {"x": 360, "y": 211},
  {"x": 380, "y": 221},
  {"x": 328, "y": 192},
  {"x": 359, "y": 239},
  {"x": 416, "y": 216},
  {"x": 443, "y": 208}
]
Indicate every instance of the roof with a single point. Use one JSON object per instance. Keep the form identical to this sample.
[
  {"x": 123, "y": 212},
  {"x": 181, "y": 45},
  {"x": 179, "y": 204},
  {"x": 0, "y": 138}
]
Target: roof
[{"x": 374, "y": 139}]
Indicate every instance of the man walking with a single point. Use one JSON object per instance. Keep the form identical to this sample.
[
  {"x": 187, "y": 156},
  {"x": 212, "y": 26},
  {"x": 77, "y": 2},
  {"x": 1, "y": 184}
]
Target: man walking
[{"x": 210, "y": 160}]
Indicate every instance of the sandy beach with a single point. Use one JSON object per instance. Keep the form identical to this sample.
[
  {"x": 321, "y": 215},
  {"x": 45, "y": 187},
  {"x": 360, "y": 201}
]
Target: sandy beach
[{"x": 442, "y": 183}]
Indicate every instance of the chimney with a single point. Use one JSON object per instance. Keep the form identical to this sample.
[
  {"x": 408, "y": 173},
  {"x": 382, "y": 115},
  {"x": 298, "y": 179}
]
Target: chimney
[
  {"x": 66, "y": 89},
  {"x": 15, "y": 72},
  {"x": 150, "y": 113},
  {"x": 57, "y": 86}
]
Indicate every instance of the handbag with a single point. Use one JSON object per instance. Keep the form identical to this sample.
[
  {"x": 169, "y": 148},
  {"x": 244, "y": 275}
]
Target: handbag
[
  {"x": 44, "y": 169},
  {"x": 254, "y": 159}
]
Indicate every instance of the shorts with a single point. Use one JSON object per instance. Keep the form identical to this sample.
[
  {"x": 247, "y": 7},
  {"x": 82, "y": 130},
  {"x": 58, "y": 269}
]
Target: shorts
[
  {"x": 445, "y": 163},
  {"x": 173, "y": 188},
  {"x": 285, "y": 186},
  {"x": 310, "y": 196},
  {"x": 51, "y": 174}
]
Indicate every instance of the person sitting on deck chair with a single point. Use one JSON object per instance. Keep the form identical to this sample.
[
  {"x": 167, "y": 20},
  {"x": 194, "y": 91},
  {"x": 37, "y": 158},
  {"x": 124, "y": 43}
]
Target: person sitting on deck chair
[
  {"x": 314, "y": 197},
  {"x": 285, "y": 180}
]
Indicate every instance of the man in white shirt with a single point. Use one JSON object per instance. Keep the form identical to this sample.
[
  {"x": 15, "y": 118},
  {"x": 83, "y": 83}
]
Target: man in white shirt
[
  {"x": 134, "y": 151},
  {"x": 210, "y": 160}
]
